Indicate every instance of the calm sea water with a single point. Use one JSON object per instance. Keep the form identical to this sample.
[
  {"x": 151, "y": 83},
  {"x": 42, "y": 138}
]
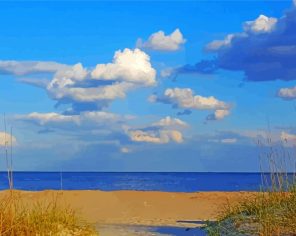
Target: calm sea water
[{"x": 107, "y": 181}]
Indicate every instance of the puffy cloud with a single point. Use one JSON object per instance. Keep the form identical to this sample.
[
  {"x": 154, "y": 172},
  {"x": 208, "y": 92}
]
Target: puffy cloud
[
  {"x": 163, "y": 131},
  {"x": 85, "y": 88},
  {"x": 161, "y": 42},
  {"x": 92, "y": 94},
  {"x": 185, "y": 98},
  {"x": 128, "y": 65},
  {"x": 129, "y": 69},
  {"x": 30, "y": 67},
  {"x": 218, "y": 115},
  {"x": 216, "y": 44},
  {"x": 265, "y": 50},
  {"x": 287, "y": 93},
  {"x": 161, "y": 137},
  {"x": 262, "y": 24},
  {"x": 6, "y": 139},
  {"x": 170, "y": 122}
]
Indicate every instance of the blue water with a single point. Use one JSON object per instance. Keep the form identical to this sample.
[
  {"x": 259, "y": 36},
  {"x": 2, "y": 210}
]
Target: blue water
[{"x": 107, "y": 181}]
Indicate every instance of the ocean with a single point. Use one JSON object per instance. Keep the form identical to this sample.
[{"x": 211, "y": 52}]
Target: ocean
[{"x": 144, "y": 181}]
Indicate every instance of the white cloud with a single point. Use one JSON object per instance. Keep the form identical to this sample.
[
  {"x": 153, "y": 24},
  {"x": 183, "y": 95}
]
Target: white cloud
[
  {"x": 128, "y": 65},
  {"x": 160, "y": 137},
  {"x": 6, "y": 139},
  {"x": 262, "y": 24},
  {"x": 94, "y": 94},
  {"x": 287, "y": 93},
  {"x": 52, "y": 117},
  {"x": 130, "y": 69},
  {"x": 217, "y": 44},
  {"x": 99, "y": 117},
  {"x": 102, "y": 116},
  {"x": 170, "y": 122},
  {"x": 218, "y": 115},
  {"x": 163, "y": 131},
  {"x": 185, "y": 98},
  {"x": 161, "y": 42},
  {"x": 64, "y": 79},
  {"x": 30, "y": 67}
]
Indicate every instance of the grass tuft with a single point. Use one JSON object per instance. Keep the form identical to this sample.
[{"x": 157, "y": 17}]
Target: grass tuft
[
  {"x": 40, "y": 219},
  {"x": 272, "y": 211}
]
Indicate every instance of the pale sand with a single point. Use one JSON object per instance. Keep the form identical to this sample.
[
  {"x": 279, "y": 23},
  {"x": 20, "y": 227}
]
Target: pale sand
[{"x": 140, "y": 207}]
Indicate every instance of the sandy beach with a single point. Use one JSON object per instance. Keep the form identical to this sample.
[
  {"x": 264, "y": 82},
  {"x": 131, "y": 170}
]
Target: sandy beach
[{"x": 145, "y": 208}]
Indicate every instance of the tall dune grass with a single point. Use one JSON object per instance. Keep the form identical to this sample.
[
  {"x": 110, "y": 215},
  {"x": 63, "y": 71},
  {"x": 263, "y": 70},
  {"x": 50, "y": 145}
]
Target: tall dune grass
[
  {"x": 42, "y": 218},
  {"x": 272, "y": 211}
]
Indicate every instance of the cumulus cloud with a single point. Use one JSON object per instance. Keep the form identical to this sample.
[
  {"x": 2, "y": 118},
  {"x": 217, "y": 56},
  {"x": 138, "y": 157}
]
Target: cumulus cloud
[
  {"x": 160, "y": 42},
  {"x": 128, "y": 65},
  {"x": 92, "y": 94},
  {"x": 161, "y": 137},
  {"x": 86, "y": 87},
  {"x": 287, "y": 93},
  {"x": 163, "y": 131},
  {"x": 170, "y": 122},
  {"x": 185, "y": 98},
  {"x": 265, "y": 50},
  {"x": 218, "y": 115},
  {"x": 6, "y": 139},
  {"x": 129, "y": 69},
  {"x": 262, "y": 24},
  {"x": 216, "y": 44}
]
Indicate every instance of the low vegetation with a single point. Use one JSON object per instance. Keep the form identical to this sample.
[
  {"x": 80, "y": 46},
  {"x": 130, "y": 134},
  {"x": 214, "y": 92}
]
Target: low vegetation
[
  {"x": 46, "y": 218},
  {"x": 40, "y": 219},
  {"x": 272, "y": 211},
  {"x": 265, "y": 214}
]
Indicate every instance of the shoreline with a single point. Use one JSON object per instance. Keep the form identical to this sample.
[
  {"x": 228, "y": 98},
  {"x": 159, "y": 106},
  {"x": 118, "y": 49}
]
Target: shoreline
[{"x": 138, "y": 208}]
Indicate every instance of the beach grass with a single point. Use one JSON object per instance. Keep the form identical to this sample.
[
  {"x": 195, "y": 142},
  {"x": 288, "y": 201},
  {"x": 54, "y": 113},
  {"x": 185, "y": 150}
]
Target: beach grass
[
  {"x": 272, "y": 211},
  {"x": 268, "y": 213},
  {"x": 41, "y": 218}
]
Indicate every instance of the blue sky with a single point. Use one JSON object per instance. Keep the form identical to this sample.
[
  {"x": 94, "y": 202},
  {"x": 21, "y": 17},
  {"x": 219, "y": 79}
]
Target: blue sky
[{"x": 126, "y": 86}]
